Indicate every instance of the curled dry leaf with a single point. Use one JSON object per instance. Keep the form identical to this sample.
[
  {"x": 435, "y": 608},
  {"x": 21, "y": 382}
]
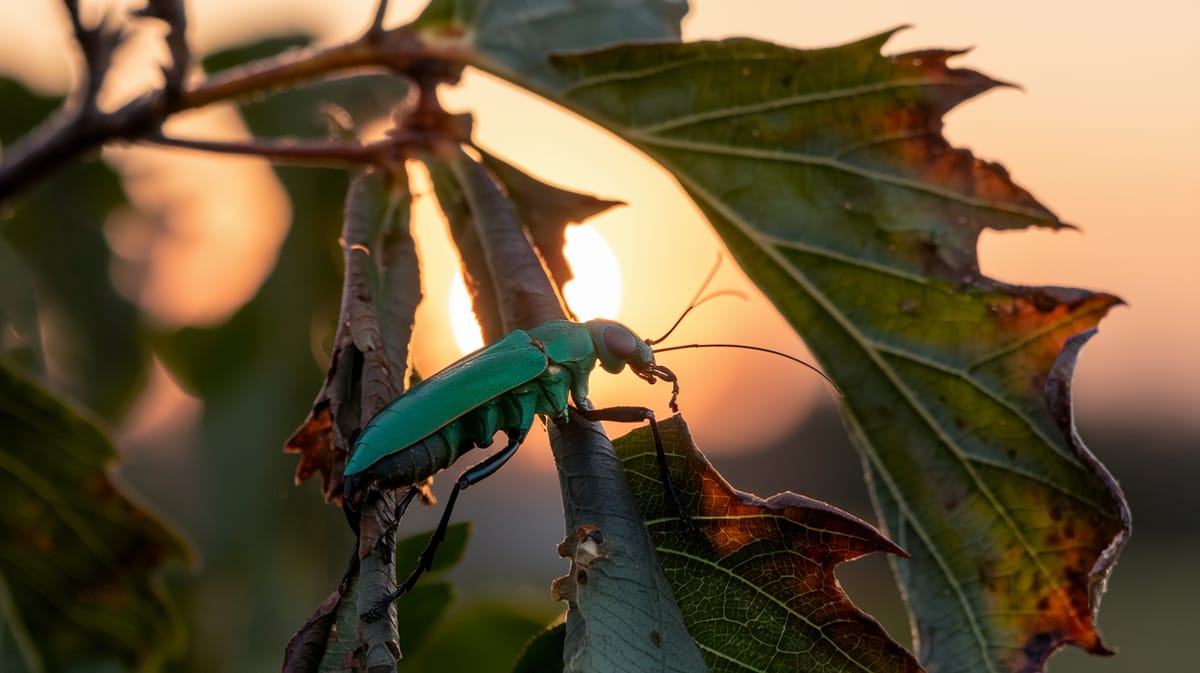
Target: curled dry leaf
[{"x": 379, "y": 296}]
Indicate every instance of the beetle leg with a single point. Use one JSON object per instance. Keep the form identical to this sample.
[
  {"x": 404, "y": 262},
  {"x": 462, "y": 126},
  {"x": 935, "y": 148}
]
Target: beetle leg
[
  {"x": 636, "y": 415},
  {"x": 472, "y": 475}
]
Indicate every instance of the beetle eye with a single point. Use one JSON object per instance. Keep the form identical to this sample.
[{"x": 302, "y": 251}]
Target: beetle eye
[{"x": 620, "y": 342}]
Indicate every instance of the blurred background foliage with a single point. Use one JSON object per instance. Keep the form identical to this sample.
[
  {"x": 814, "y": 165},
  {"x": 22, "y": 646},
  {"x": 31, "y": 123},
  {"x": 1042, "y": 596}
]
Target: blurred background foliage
[{"x": 267, "y": 552}]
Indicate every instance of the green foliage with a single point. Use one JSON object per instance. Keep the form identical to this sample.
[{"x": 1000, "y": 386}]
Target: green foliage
[
  {"x": 484, "y": 637},
  {"x": 99, "y": 352},
  {"x": 78, "y": 558},
  {"x": 826, "y": 175},
  {"x": 543, "y": 652}
]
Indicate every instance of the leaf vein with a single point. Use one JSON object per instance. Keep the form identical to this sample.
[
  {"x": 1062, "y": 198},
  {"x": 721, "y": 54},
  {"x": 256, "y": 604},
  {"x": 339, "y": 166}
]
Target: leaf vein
[
  {"x": 832, "y": 163},
  {"x": 790, "y": 101}
]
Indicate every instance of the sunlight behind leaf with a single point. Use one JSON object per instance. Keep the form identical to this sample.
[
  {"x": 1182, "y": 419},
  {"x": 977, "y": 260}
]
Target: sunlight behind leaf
[{"x": 595, "y": 292}]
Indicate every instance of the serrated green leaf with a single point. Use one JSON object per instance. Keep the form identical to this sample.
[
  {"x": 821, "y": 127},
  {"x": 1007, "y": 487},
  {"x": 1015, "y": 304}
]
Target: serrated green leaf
[
  {"x": 755, "y": 582},
  {"x": 515, "y": 38},
  {"x": 826, "y": 174},
  {"x": 80, "y": 559}
]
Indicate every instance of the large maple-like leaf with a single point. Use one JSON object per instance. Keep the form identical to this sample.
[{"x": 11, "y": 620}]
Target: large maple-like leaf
[
  {"x": 826, "y": 174},
  {"x": 755, "y": 581}
]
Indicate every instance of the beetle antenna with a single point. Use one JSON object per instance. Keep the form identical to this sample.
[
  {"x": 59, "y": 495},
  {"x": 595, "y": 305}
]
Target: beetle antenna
[
  {"x": 699, "y": 298},
  {"x": 761, "y": 350},
  {"x": 714, "y": 295}
]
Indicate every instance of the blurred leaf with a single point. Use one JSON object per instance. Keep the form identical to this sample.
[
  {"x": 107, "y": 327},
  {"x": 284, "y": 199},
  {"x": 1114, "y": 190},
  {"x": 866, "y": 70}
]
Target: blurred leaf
[
  {"x": 80, "y": 559},
  {"x": 826, "y": 174},
  {"x": 482, "y": 638},
  {"x": 317, "y": 196},
  {"x": 771, "y": 562},
  {"x": 18, "y": 653},
  {"x": 514, "y": 38},
  {"x": 543, "y": 652},
  {"x": 420, "y": 611},
  {"x": 545, "y": 211},
  {"x": 449, "y": 552},
  {"x": 20, "y": 333},
  {"x": 23, "y": 110},
  {"x": 93, "y": 337},
  {"x": 232, "y": 57}
]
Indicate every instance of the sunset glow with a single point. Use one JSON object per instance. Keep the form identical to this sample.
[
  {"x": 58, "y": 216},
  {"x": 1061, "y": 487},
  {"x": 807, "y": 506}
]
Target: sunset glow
[{"x": 595, "y": 291}]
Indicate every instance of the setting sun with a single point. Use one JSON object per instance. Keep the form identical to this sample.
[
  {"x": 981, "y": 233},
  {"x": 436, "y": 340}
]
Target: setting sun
[{"x": 595, "y": 291}]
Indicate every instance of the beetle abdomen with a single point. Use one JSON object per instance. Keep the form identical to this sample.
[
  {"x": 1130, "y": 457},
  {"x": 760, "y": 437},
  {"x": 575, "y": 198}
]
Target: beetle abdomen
[{"x": 406, "y": 467}]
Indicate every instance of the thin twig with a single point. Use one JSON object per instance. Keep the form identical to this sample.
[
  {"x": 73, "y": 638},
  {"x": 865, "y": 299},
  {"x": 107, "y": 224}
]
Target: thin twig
[
  {"x": 65, "y": 137},
  {"x": 324, "y": 154}
]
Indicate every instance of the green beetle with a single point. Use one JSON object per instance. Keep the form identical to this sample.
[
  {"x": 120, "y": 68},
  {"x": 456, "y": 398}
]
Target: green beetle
[{"x": 501, "y": 387}]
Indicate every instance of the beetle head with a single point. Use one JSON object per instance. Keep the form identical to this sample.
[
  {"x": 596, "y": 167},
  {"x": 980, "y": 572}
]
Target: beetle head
[{"x": 617, "y": 346}]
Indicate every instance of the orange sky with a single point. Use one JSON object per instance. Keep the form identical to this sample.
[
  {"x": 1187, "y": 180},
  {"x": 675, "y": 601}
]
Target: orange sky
[{"x": 1104, "y": 133}]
